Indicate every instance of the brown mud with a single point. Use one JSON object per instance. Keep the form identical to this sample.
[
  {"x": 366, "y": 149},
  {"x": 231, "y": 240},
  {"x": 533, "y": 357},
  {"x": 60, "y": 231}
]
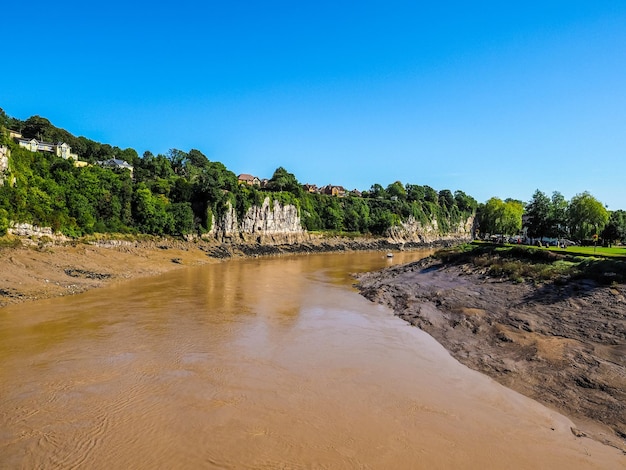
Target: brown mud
[
  {"x": 562, "y": 345},
  {"x": 32, "y": 269}
]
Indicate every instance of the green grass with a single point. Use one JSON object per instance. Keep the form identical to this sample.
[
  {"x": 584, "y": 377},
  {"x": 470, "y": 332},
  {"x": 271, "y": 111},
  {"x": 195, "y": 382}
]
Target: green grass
[
  {"x": 521, "y": 263},
  {"x": 619, "y": 251},
  {"x": 10, "y": 241}
]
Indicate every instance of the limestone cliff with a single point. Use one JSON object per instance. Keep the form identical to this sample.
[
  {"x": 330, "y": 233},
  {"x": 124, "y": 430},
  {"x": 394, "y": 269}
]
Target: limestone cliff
[
  {"x": 4, "y": 162},
  {"x": 270, "y": 223},
  {"x": 414, "y": 231}
]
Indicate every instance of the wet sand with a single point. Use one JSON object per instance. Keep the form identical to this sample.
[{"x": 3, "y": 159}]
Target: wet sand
[{"x": 564, "y": 346}]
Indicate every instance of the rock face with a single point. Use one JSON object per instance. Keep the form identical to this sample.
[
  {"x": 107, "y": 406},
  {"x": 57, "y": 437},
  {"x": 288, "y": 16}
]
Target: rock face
[
  {"x": 33, "y": 232},
  {"x": 414, "y": 231},
  {"x": 273, "y": 224},
  {"x": 268, "y": 224},
  {"x": 4, "y": 162}
]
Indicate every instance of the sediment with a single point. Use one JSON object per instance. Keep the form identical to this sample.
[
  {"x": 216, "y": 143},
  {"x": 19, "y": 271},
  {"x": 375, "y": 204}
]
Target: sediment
[
  {"x": 34, "y": 268},
  {"x": 562, "y": 345}
]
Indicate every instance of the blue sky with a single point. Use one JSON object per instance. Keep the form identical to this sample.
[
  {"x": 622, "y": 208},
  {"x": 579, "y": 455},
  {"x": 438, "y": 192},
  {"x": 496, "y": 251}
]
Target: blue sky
[{"x": 493, "y": 98}]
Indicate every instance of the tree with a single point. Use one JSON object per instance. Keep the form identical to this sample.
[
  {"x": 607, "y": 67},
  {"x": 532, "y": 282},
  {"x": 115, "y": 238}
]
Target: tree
[
  {"x": 511, "y": 217},
  {"x": 4, "y": 221},
  {"x": 558, "y": 215},
  {"x": 377, "y": 192},
  {"x": 396, "y": 190},
  {"x": 586, "y": 216},
  {"x": 446, "y": 199},
  {"x": 282, "y": 180},
  {"x": 538, "y": 212},
  {"x": 501, "y": 217},
  {"x": 464, "y": 202},
  {"x": 430, "y": 195},
  {"x": 183, "y": 218},
  {"x": 616, "y": 228}
]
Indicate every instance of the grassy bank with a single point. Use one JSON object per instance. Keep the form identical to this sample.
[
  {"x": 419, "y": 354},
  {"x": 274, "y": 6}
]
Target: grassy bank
[{"x": 525, "y": 263}]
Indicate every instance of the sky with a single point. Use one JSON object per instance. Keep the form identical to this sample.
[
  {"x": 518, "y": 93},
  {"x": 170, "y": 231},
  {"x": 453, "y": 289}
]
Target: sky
[{"x": 493, "y": 98}]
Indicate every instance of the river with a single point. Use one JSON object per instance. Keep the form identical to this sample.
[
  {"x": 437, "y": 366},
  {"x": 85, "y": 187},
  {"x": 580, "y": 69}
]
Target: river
[{"x": 259, "y": 363}]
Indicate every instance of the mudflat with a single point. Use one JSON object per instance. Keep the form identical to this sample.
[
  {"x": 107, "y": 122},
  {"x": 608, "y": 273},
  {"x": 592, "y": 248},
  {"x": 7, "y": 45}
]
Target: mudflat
[
  {"x": 563, "y": 345},
  {"x": 32, "y": 272}
]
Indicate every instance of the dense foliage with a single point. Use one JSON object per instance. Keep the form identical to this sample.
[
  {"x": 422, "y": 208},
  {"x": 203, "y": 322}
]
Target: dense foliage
[{"x": 184, "y": 192}]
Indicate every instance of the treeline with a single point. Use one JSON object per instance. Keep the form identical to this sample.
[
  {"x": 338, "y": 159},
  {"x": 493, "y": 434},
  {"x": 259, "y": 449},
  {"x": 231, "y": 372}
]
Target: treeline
[
  {"x": 184, "y": 192},
  {"x": 583, "y": 218}
]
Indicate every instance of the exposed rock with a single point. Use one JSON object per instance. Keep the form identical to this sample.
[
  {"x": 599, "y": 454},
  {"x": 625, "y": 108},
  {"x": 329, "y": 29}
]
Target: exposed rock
[
  {"x": 33, "y": 231},
  {"x": 4, "y": 162},
  {"x": 266, "y": 224},
  {"x": 414, "y": 231}
]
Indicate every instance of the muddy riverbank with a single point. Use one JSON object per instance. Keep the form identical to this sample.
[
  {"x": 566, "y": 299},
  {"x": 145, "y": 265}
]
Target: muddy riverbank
[
  {"x": 32, "y": 269},
  {"x": 563, "y": 345}
]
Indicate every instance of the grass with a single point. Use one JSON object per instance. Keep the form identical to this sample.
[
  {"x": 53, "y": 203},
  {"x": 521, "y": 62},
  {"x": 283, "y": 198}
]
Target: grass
[
  {"x": 10, "y": 241},
  {"x": 616, "y": 251},
  {"x": 521, "y": 263}
]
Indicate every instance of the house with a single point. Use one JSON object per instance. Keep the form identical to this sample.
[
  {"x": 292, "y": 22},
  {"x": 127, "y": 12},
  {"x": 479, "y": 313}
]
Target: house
[
  {"x": 310, "y": 188},
  {"x": 338, "y": 191},
  {"x": 355, "y": 192},
  {"x": 60, "y": 149},
  {"x": 245, "y": 178},
  {"x": 116, "y": 164}
]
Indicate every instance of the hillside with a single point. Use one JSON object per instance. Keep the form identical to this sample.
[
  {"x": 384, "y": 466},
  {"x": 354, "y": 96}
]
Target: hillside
[{"x": 184, "y": 193}]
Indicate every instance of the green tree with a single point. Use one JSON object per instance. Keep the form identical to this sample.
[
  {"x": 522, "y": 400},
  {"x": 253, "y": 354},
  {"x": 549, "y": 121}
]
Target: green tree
[
  {"x": 538, "y": 212},
  {"x": 586, "y": 216},
  {"x": 465, "y": 203},
  {"x": 501, "y": 217},
  {"x": 616, "y": 228},
  {"x": 182, "y": 218},
  {"x": 4, "y": 221},
  {"x": 282, "y": 180},
  {"x": 558, "y": 215},
  {"x": 396, "y": 190},
  {"x": 511, "y": 217}
]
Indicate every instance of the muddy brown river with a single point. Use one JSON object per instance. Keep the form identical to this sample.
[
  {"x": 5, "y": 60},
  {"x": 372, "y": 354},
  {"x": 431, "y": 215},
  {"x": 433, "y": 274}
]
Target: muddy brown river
[{"x": 262, "y": 364}]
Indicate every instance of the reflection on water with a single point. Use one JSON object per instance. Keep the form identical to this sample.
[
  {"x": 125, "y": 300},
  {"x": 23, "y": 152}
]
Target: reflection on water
[{"x": 260, "y": 363}]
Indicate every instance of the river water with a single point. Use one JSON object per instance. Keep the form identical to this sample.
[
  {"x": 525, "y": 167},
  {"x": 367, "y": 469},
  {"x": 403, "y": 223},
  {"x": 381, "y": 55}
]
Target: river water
[{"x": 258, "y": 363}]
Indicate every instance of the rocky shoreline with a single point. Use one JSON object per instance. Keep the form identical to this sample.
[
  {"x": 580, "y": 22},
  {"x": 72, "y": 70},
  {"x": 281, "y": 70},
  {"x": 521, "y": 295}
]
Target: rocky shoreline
[{"x": 563, "y": 345}]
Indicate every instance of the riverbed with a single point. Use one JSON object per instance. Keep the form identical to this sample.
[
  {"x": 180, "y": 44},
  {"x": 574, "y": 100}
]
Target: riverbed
[{"x": 257, "y": 363}]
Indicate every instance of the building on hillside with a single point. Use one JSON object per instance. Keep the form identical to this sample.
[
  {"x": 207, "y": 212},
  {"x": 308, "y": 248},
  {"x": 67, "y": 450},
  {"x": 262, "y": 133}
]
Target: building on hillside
[
  {"x": 356, "y": 192},
  {"x": 250, "y": 180},
  {"x": 60, "y": 149},
  {"x": 338, "y": 191},
  {"x": 310, "y": 188},
  {"x": 116, "y": 164}
]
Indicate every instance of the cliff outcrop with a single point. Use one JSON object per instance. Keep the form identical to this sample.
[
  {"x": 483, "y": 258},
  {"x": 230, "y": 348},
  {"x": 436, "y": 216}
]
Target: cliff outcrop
[
  {"x": 278, "y": 224},
  {"x": 4, "y": 162},
  {"x": 269, "y": 223},
  {"x": 413, "y": 231}
]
